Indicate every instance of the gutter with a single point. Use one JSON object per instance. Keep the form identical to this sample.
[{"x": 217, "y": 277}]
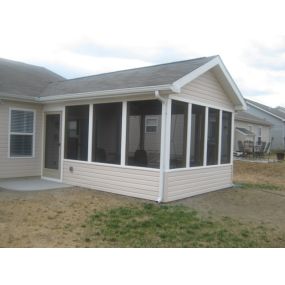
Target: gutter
[
  {"x": 162, "y": 146},
  {"x": 106, "y": 93},
  {"x": 88, "y": 95}
]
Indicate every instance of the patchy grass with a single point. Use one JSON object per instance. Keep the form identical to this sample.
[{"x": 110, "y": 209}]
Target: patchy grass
[
  {"x": 259, "y": 186},
  {"x": 260, "y": 173},
  {"x": 150, "y": 225}
]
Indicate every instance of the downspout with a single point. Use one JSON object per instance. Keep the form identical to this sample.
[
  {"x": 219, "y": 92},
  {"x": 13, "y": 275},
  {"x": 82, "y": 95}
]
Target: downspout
[{"x": 162, "y": 145}]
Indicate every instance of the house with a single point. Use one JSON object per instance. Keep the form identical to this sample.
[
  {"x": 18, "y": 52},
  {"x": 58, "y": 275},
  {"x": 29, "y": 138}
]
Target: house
[
  {"x": 275, "y": 116},
  {"x": 249, "y": 127},
  {"x": 162, "y": 132}
]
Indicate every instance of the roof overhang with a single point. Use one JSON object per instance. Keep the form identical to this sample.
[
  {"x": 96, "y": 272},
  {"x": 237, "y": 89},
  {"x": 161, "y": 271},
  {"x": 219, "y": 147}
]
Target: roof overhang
[
  {"x": 223, "y": 77},
  {"x": 249, "y": 134},
  {"x": 126, "y": 92}
]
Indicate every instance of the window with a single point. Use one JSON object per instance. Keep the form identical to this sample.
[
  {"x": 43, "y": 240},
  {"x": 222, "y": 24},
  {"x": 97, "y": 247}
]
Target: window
[
  {"x": 197, "y": 135},
  {"x": 143, "y": 147},
  {"x": 213, "y": 136},
  {"x": 21, "y": 133},
  {"x": 76, "y": 132},
  {"x": 226, "y": 137},
  {"x": 178, "y": 141},
  {"x": 107, "y": 125},
  {"x": 151, "y": 124}
]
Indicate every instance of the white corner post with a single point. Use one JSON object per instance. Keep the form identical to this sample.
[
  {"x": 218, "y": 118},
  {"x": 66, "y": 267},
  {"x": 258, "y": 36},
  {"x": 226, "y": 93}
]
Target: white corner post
[
  {"x": 62, "y": 142},
  {"x": 124, "y": 133},
  {"x": 220, "y": 137},
  {"x": 163, "y": 146},
  {"x": 90, "y": 132},
  {"x": 188, "y": 146},
  {"x": 206, "y": 136},
  {"x": 232, "y": 137}
]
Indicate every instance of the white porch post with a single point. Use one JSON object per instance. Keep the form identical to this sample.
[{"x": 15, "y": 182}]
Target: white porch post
[
  {"x": 206, "y": 136},
  {"x": 188, "y": 146},
  {"x": 232, "y": 137},
  {"x": 220, "y": 137},
  {"x": 124, "y": 133},
  {"x": 62, "y": 143},
  {"x": 90, "y": 132},
  {"x": 164, "y": 145}
]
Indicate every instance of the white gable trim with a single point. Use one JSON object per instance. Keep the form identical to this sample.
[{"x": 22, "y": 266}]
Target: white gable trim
[
  {"x": 206, "y": 67},
  {"x": 265, "y": 111}
]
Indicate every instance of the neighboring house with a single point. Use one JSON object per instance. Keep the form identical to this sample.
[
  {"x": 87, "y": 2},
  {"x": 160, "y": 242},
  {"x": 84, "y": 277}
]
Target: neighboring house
[
  {"x": 249, "y": 127},
  {"x": 161, "y": 132},
  {"x": 275, "y": 116}
]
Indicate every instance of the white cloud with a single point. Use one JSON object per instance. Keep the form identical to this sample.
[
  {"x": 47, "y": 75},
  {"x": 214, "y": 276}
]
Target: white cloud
[{"x": 78, "y": 38}]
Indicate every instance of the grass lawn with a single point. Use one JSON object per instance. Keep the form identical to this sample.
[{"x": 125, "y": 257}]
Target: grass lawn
[{"x": 252, "y": 214}]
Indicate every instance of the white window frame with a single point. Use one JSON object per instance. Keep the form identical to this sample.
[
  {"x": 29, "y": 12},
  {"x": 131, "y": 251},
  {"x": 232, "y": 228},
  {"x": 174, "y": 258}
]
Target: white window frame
[
  {"x": 17, "y": 133},
  {"x": 147, "y": 117}
]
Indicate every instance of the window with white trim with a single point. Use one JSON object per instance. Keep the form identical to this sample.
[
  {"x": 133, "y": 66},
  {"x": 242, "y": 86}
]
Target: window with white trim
[
  {"x": 151, "y": 124},
  {"x": 21, "y": 133}
]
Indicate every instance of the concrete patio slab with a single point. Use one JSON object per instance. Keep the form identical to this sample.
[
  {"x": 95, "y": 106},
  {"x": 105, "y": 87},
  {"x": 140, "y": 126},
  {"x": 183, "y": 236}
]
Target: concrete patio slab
[{"x": 30, "y": 184}]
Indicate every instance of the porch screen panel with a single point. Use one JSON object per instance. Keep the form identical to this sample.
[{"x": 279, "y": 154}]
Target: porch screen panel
[
  {"x": 226, "y": 137},
  {"x": 21, "y": 133},
  {"x": 143, "y": 133},
  {"x": 76, "y": 132},
  {"x": 213, "y": 137},
  {"x": 178, "y": 138},
  {"x": 197, "y": 135},
  {"x": 107, "y": 126}
]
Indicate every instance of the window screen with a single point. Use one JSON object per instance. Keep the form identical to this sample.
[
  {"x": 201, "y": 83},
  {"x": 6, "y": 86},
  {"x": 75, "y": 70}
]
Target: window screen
[
  {"x": 76, "y": 132},
  {"x": 178, "y": 140},
  {"x": 226, "y": 137},
  {"x": 107, "y": 127},
  {"x": 143, "y": 141},
  {"x": 197, "y": 135},
  {"x": 21, "y": 133},
  {"x": 213, "y": 136}
]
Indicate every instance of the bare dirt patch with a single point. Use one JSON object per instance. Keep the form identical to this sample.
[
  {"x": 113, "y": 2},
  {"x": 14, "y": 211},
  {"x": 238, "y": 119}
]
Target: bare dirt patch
[{"x": 52, "y": 218}]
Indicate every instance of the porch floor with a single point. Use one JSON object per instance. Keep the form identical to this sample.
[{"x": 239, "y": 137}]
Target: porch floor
[{"x": 30, "y": 184}]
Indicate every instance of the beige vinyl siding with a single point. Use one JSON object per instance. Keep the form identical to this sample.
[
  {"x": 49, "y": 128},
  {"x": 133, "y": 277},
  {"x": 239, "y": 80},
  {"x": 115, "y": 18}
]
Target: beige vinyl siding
[
  {"x": 189, "y": 182},
  {"x": 19, "y": 167},
  {"x": 206, "y": 89},
  {"x": 138, "y": 183}
]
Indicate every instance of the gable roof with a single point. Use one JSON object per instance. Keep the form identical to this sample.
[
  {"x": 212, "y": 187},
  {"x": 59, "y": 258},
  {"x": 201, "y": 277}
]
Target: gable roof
[
  {"x": 169, "y": 77},
  {"x": 21, "y": 79},
  {"x": 156, "y": 75},
  {"x": 272, "y": 111},
  {"x": 247, "y": 117}
]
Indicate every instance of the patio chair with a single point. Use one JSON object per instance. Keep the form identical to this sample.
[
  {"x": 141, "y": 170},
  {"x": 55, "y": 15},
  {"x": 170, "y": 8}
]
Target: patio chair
[
  {"x": 241, "y": 148},
  {"x": 259, "y": 152},
  {"x": 248, "y": 147}
]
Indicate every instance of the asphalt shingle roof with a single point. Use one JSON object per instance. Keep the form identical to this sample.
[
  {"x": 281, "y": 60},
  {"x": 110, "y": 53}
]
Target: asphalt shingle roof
[
  {"x": 161, "y": 74},
  {"x": 246, "y": 117},
  {"x": 18, "y": 78},
  {"x": 274, "y": 111}
]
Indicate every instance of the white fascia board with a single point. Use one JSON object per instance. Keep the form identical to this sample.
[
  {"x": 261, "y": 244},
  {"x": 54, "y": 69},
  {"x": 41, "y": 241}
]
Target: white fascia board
[
  {"x": 204, "y": 68},
  {"x": 15, "y": 97},
  {"x": 265, "y": 111},
  {"x": 105, "y": 93}
]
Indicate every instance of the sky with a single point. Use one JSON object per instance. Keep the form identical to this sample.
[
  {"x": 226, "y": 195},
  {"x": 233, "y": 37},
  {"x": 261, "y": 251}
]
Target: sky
[{"x": 81, "y": 38}]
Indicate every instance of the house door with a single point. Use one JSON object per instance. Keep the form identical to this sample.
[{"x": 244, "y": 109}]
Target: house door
[{"x": 52, "y": 146}]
